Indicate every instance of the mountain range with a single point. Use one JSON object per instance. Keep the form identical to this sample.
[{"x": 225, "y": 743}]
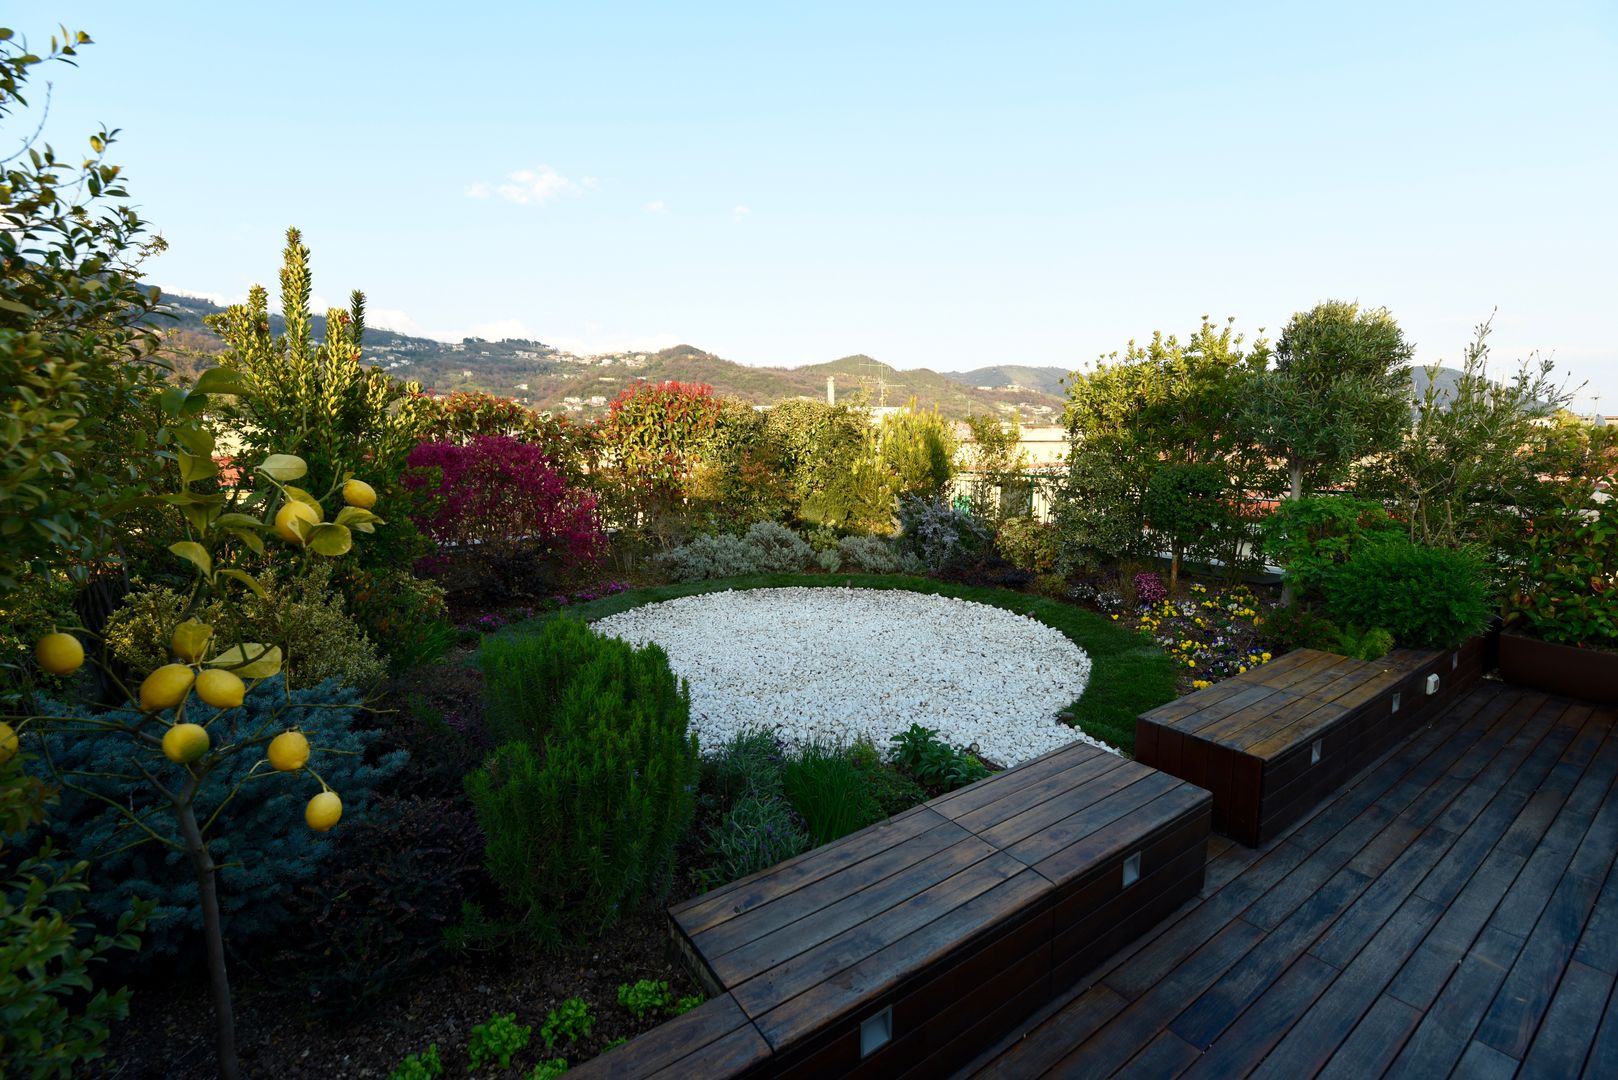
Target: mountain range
[{"x": 546, "y": 378}]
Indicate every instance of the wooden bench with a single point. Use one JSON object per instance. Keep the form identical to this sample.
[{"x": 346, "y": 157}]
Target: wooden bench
[
  {"x": 1271, "y": 743},
  {"x": 910, "y": 946}
]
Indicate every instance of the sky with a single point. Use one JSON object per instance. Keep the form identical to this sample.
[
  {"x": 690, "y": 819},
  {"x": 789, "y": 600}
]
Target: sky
[{"x": 936, "y": 185}]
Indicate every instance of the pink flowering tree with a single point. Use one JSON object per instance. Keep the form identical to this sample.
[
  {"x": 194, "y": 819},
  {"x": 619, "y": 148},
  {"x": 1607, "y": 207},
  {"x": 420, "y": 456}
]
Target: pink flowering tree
[{"x": 505, "y": 520}]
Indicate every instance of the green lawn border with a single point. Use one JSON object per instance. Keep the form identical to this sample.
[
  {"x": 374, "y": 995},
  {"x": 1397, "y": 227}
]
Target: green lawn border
[{"x": 1128, "y": 675}]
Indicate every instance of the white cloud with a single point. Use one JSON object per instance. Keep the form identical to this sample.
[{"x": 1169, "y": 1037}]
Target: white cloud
[
  {"x": 741, "y": 212},
  {"x": 529, "y": 187},
  {"x": 656, "y": 206}
]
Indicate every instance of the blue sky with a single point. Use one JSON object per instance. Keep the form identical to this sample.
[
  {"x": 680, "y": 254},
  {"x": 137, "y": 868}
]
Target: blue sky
[{"x": 933, "y": 184}]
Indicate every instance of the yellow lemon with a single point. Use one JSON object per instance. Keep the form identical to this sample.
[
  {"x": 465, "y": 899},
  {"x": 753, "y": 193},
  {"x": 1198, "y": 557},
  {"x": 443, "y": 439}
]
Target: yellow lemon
[
  {"x": 166, "y": 687},
  {"x": 359, "y": 493},
  {"x": 190, "y": 642},
  {"x": 221, "y": 689},
  {"x": 323, "y": 811},
  {"x": 59, "y": 654},
  {"x": 8, "y": 743},
  {"x": 289, "y": 751},
  {"x": 292, "y": 521},
  {"x": 184, "y": 743}
]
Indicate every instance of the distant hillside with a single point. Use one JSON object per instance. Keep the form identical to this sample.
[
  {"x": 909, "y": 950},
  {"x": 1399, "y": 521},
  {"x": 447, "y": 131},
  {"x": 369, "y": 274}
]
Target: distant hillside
[
  {"x": 546, "y": 378},
  {"x": 1047, "y": 380}
]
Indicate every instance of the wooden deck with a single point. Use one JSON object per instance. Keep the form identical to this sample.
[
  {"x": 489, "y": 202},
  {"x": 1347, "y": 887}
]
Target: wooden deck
[
  {"x": 1452, "y": 911},
  {"x": 1274, "y": 741},
  {"x": 908, "y": 947}
]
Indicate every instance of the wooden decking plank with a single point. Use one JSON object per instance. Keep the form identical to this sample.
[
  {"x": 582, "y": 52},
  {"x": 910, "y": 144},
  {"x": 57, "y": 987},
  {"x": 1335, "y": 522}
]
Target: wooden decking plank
[
  {"x": 1598, "y": 944},
  {"x": 1450, "y": 1021},
  {"x": 1563, "y": 1040},
  {"x": 1178, "y": 807},
  {"x": 992, "y": 812},
  {"x": 1157, "y": 960},
  {"x": 1166, "y": 1056},
  {"x": 1221, "y": 1004},
  {"x": 1047, "y": 1044},
  {"x": 770, "y": 988},
  {"x": 1171, "y": 713},
  {"x": 712, "y": 908},
  {"x": 1137, "y": 1024},
  {"x": 741, "y": 1052},
  {"x": 717, "y": 1027},
  {"x": 1518, "y": 1008},
  {"x": 1078, "y": 812},
  {"x": 779, "y": 947},
  {"x": 883, "y": 969},
  {"x": 955, "y": 803},
  {"x": 1333, "y": 1017},
  {"x": 1482, "y": 1062},
  {"x": 1375, "y": 1041},
  {"x": 825, "y": 893},
  {"x": 1602, "y": 1064},
  {"x": 1247, "y": 1041}
]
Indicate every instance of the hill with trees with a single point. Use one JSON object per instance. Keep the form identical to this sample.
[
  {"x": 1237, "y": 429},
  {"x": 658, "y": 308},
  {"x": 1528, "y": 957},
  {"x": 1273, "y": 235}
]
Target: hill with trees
[{"x": 546, "y": 378}]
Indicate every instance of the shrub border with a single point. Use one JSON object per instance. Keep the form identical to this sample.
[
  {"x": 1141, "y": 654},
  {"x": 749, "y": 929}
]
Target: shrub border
[{"x": 1128, "y": 675}]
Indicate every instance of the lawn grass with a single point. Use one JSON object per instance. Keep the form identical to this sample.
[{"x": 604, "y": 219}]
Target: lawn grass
[{"x": 1128, "y": 675}]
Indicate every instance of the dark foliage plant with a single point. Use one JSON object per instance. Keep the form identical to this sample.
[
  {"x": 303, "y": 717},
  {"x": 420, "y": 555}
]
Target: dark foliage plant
[
  {"x": 1426, "y": 597},
  {"x": 934, "y": 762},
  {"x": 584, "y": 802},
  {"x": 938, "y": 534},
  {"x": 1569, "y": 594},
  {"x": 1299, "y": 627},
  {"x": 1312, "y": 537},
  {"x": 396, "y": 882},
  {"x": 266, "y": 855},
  {"x": 757, "y": 832}
]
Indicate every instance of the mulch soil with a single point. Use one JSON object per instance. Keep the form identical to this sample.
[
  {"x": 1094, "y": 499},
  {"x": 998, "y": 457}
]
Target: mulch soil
[{"x": 169, "y": 1033}]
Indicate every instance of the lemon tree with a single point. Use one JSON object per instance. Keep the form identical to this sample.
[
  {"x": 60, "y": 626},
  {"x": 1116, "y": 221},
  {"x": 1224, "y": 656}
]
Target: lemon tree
[{"x": 225, "y": 534}]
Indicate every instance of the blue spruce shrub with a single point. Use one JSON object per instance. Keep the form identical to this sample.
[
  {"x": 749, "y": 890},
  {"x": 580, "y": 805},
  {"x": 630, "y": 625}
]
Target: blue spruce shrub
[{"x": 266, "y": 851}]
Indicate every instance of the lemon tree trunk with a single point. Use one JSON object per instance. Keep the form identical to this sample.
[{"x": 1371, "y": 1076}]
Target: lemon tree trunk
[{"x": 213, "y": 933}]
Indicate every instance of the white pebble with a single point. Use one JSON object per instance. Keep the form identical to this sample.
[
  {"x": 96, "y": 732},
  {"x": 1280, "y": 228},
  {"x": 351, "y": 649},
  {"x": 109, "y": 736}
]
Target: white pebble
[{"x": 832, "y": 664}]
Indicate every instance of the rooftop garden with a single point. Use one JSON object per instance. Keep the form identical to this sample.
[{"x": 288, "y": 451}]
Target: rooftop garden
[{"x": 344, "y": 729}]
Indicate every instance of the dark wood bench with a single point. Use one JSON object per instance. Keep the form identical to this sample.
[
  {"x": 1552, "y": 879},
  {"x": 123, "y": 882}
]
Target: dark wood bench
[
  {"x": 909, "y": 947},
  {"x": 1271, "y": 743}
]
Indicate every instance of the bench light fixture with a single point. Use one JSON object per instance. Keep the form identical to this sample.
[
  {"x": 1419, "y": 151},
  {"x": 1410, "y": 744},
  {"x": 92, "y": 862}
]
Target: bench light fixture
[
  {"x": 1432, "y": 683},
  {"x": 1315, "y": 749},
  {"x": 1131, "y": 870},
  {"x": 876, "y": 1032},
  {"x": 1395, "y": 702}
]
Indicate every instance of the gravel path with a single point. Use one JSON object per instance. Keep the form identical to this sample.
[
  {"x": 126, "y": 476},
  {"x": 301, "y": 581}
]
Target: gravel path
[{"x": 836, "y": 663}]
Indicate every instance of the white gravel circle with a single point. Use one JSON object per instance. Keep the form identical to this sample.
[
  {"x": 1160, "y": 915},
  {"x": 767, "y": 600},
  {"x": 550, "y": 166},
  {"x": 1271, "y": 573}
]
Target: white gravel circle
[{"x": 837, "y": 663}]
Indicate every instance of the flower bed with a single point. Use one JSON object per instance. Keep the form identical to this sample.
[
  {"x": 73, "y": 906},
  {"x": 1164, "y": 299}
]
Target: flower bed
[
  {"x": 840, "y": 663},
  {"x": 1209, "y": 635}
]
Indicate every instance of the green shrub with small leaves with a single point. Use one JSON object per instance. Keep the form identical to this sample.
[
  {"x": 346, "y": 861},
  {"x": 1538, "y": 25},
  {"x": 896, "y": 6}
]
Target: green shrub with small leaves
[
  {"x": 422, "y": 1066},
  {"x": 780, "y": 550},
  {"x": 548, "y": 1070},
  {"x": 1373, "y": 644},
  {"x": 1427, "y": 597},
  {"x": 568, "y": 1022},
  {"x": 685, "y": 1004},
  {"x": 498, "y": 1040},
  {"x": 645, "y": 997},
  {"x": 868, "y": 554}
]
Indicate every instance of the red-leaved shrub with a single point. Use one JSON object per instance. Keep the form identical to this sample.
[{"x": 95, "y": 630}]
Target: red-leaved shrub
[{"x": 503, "y": 516}]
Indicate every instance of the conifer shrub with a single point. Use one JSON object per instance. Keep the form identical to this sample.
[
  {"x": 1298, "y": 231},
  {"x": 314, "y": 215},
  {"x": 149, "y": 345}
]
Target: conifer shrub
[
  {"x": 594, "y": 783},
  {"x": 266, "y": 855}
]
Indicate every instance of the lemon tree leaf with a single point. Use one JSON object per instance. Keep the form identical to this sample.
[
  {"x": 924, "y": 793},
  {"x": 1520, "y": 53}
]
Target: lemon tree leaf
[
  {"x": 250, "y": 660},
  {"x": 329, "y": 538},
  {"x": 239, "y": 521},
  {"x": 198, "y": 440},
  {"x": 194, "y": 467},
  {"x": 304, "y": 497},
  {"x": 356, "y": 518},
  {"x": 252, "y": 539},
  {"x": 246, "y": 579},
  {"x": 283, "y": 467},
  {"x": 194, "y": 553}
]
